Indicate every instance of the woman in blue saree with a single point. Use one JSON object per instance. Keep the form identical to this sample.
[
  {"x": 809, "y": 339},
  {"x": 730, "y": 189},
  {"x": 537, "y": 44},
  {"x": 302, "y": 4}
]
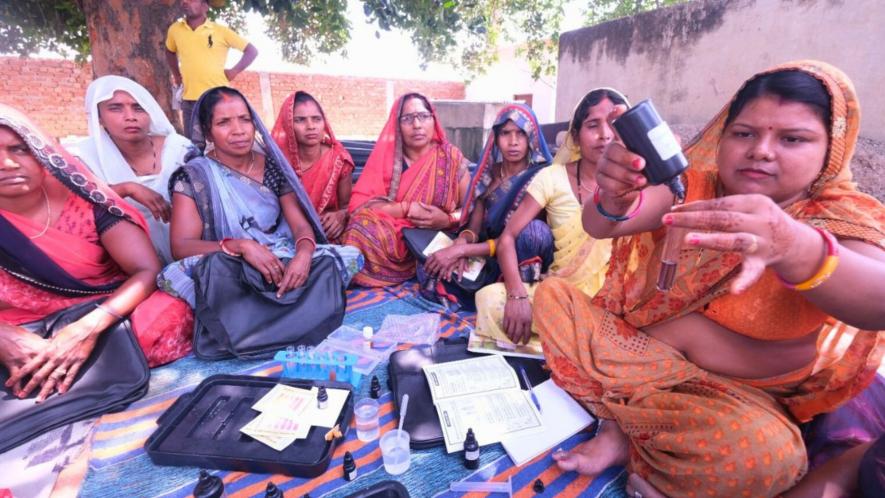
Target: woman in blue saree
[
  {"x": 514, "y": 153},
  {"x": 241, "y": 198}
]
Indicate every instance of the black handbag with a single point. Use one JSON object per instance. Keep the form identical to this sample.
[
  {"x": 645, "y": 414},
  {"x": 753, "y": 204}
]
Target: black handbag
[
  {"x": 238, "y": 314},
  {"x": 115, "y": 375},
  {"x": 417, "y": 239}
]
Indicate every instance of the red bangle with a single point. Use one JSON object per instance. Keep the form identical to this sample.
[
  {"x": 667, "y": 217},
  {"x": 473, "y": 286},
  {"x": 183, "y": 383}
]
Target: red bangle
[
  {"x": 225, "y": 250},
  {"x": 308, "y": 238}
]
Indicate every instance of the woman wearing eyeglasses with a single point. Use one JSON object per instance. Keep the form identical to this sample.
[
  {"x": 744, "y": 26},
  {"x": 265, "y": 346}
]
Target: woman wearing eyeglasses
[{"x": 413, "y": 178}]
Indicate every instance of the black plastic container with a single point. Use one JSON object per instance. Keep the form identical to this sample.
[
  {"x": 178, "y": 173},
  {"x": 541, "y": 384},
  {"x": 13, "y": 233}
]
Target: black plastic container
[
  {"x": 383, "y": 489},
  {"x": 202, "y": 429},
  {"x": 645, "y": 133}
]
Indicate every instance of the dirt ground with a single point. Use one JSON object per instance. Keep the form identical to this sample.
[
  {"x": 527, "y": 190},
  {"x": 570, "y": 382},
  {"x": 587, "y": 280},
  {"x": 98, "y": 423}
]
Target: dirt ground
[{"x": 868, "y": 164}]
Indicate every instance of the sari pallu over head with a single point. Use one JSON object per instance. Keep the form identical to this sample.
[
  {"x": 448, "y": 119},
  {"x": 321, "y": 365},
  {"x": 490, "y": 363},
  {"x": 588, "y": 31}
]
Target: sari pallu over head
[
  {"x": 58, "y": 262},
  {"x": 100, "y": 151},
  {"x": 383, "y": 174},
  {"x": 321, "y": 180},
  {"x": 496, "y": 215},
  {"x": 847, "y": 358},
  {"x": 228, "y": 218}
]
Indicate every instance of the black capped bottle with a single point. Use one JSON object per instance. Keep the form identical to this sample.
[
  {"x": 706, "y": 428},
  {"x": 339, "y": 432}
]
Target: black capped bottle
[
  {"x": 471, "y": 451},
  {"x": 209, "y": 486},
  {"x": 272, "y": 491},
  {"x": 350, "y": 472}
]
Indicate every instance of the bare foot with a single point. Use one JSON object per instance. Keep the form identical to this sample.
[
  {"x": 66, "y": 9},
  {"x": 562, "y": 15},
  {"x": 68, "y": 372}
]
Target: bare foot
[{"x": 609, "y": 447}]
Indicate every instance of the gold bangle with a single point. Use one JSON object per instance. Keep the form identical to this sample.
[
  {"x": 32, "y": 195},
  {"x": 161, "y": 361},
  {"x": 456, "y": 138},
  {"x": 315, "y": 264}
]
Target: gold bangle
[
  {"x": 491, "y": 243},
  {"x": 826, "y": 269}
]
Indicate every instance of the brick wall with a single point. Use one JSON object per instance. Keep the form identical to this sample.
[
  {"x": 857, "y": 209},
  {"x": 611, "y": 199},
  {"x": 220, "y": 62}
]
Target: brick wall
[{"x": 52, "y": 92}]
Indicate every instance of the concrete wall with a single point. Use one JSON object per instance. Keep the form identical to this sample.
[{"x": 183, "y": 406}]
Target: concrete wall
[
  {"x": 511, "y": 76},
  {"x": 468, "y": 124},
  {"x": 693, "y": 57},
  {"x": 52, "y": 92}
]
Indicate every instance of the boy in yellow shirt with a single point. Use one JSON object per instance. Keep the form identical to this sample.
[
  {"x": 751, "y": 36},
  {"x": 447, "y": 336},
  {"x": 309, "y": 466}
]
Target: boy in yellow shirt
[{"x": 196, "y": 50}]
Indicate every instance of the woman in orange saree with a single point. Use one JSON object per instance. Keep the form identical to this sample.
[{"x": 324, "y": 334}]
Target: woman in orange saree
[
  {"x": 66, "y": 239},
  {"x": 321, "y": 162},
  {"x": 413, "y": 178},
  {"x": 702, "y": 387}
]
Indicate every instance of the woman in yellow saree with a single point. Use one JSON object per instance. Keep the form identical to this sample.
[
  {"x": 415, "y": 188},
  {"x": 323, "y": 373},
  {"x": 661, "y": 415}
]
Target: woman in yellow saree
[
  {"x": 504, "y": 310},
  {"x": 701, "y": 388}
]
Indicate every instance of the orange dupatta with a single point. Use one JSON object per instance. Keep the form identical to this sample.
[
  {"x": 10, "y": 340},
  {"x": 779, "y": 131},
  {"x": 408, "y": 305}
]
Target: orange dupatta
[
  {"x": 847, "y": 357},
  {"x": 321, "y": 179}
]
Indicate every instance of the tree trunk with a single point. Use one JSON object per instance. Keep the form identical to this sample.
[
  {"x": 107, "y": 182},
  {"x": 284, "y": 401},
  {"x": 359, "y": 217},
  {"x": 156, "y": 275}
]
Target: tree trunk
[{"x": 128, "y": 38}]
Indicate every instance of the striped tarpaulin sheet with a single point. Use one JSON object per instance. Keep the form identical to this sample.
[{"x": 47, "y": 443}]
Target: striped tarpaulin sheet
[{"x": 119, "y": 465}]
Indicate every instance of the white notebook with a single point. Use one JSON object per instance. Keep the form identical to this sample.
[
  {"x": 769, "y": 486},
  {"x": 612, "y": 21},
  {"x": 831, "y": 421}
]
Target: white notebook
[{"x": 562, "y": 417}]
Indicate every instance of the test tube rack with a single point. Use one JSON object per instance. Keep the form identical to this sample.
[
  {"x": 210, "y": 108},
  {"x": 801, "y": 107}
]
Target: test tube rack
[{"x": 306, "y": 363}]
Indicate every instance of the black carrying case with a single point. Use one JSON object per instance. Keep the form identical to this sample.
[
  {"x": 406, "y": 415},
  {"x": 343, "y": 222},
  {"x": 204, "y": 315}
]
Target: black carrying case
[
  {"x": 406, "y": 376},
  {"x": 115, "y": 375},
  {"x": 238, "y": 314},
  {"x": 202, "y": 429}
]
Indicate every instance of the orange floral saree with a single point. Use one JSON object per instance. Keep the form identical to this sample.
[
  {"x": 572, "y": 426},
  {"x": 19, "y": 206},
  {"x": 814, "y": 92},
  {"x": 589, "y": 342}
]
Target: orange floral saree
[{"x": 693, "y": 432}]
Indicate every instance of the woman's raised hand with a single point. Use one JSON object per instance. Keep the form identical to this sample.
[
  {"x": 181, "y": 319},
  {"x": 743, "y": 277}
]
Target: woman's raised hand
[
  {"x": 619, "y": 173},
  {"x": 755, "y": 226}
]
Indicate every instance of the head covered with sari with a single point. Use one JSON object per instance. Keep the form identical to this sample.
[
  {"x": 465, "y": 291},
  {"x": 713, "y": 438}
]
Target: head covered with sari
[
  {"x": 321, "y": 180},
  {"x": 380, "y": 178},
  {"x": 272, "y": 153},
  {"x": 571, "y": 149},
  {"x": 538, "y": 157},
  {"x": 703, "y": 278},
  {"x": 99, "y": 150},
  {"x": 57, "y": 261}
]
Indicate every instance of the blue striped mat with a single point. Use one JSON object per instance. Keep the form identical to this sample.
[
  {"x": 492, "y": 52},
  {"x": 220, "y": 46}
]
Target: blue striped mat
[{"x": 118, "y": 465}]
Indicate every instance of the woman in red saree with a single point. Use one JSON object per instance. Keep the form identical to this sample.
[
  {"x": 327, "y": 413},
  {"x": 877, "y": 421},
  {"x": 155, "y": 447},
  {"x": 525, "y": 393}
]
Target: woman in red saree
[
  {"x": 413, "y": 178},
  {"x": 320, "y": 161},
  {"x": 66, "y": 238},
  {"x": 775, "y": 314}
]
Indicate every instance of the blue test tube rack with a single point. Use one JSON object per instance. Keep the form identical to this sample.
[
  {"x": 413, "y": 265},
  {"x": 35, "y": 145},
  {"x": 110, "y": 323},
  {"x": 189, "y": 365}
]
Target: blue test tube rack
[{"x": 305, "y": 363}]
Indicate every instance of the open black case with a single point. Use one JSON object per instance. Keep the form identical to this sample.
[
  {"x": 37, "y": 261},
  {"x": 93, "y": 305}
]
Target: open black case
[
  {"x": 202, "y": 429},
  {"x": 406, "y": 376}
]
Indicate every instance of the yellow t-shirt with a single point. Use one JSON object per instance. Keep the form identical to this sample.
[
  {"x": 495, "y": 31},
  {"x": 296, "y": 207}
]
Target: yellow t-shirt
[
  {"x": 202, "y": 53},
  {"x": 551, "y": 189}
]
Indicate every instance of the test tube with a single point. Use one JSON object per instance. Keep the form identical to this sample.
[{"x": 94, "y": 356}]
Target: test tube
[
  {"x": 483, "y": 487},
  {"x": 670, "y": 257},
  {"x": 290, "y": 361}
]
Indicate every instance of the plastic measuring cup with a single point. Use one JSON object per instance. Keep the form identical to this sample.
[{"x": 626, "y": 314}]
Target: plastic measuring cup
[
  {"x": 395, "y": 451},
  {"x": 365, "y": 414}
]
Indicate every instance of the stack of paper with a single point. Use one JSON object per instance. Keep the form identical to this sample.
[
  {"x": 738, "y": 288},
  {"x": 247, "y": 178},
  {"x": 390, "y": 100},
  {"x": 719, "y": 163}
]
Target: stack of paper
[
  {"x": 288, "y": 413},
  {"x": 563, "y": 417},
  {"x": 483, "y": 394}
]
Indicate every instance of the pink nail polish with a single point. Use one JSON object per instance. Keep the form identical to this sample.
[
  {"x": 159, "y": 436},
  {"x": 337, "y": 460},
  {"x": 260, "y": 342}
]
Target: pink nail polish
[
  {"x": 668, "y": 220},
  {"x": 694, "y": 240}
]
